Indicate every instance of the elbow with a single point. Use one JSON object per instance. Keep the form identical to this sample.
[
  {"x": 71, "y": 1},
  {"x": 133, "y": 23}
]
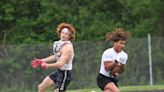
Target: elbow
[
  {"x": 107, "y": 65},
  {"x": 57, "y": 65},
  {"x": 60, "y": 65}
]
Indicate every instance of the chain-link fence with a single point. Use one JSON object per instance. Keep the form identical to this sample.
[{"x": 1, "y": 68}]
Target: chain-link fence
[{"x": 17, "y": 74}]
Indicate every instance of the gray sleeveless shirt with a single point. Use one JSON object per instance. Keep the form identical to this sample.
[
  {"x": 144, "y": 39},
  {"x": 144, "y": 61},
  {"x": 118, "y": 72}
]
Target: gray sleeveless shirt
[{"x": 57, "y": 46}]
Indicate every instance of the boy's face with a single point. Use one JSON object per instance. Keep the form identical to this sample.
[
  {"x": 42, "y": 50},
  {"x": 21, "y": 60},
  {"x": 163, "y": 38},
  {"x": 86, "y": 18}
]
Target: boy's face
[
  {"x": 65, "y": 34},
  {"x": 119, "y": 45}
]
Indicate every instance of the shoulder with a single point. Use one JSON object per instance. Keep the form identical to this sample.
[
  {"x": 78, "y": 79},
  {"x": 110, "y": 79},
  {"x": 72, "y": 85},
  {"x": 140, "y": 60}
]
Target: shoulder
[
  {"x": 67, "y": 46},
  {"x": 123, "y": 53},
  {"x": 108, "y": 51},
  {"x": 67, "y": 43},
  {"x": 67, "y": 49}
]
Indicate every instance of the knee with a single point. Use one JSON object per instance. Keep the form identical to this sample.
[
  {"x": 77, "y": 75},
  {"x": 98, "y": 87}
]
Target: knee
[
  {"x": 41, "y": 87},
  {"x": 111, "y": 90},
  {"x": 106, "y": 91},
  {"x": 116, "y": 90}
]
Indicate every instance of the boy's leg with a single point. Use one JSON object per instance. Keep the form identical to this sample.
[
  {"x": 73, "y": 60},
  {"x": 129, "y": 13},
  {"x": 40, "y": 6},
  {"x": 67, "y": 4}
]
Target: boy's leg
[
  {"x": 112, "y": 87},
  {"x": 45, "y": 83}
]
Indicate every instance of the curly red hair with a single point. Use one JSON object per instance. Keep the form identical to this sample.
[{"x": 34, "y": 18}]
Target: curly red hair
[
  {"x": 118, "y": 34},
  {"x": 70, "y": 27}
]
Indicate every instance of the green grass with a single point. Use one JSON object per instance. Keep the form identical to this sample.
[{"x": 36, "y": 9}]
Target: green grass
[
  {"x": 137, "y": 88},
  {"x": 123, "y": 89}
]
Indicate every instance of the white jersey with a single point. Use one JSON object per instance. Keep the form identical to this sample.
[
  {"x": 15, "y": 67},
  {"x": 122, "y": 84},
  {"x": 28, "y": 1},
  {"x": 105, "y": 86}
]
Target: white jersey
[
  {"x": 57, "y": 52},
  {"x": 110, "y": 55}
]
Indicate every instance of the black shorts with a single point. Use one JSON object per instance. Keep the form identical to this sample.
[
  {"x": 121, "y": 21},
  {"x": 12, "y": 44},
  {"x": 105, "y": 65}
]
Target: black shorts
[
  {"x": 103, "y": 80},
  {"x": 61, "y": 79}
]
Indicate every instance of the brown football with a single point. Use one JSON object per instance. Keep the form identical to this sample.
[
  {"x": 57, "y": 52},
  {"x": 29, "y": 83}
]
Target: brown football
[{"x": 116, "y": 69}]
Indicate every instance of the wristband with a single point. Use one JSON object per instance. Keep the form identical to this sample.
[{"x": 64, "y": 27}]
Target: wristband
[{"x": 44, "y": 65}]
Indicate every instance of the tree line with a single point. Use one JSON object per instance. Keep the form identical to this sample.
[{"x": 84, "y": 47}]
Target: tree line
[{"x": 35, "y": 21}]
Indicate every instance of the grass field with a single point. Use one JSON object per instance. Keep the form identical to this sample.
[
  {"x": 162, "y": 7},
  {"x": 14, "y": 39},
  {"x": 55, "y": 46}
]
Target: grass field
[
  {"x": 122, "y": 89},
  {"x": 125, "y": 89}
]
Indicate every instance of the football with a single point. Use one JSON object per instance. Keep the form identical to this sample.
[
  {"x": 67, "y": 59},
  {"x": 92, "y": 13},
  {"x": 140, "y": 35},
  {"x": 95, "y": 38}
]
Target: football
[{"x": 117, "y": 69}]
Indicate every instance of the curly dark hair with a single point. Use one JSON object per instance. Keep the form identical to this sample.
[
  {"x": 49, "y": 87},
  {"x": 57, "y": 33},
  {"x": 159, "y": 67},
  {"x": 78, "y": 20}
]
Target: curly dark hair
[
  {"x": 118, "y": 34},
  {"x": 69, "y": 26}
]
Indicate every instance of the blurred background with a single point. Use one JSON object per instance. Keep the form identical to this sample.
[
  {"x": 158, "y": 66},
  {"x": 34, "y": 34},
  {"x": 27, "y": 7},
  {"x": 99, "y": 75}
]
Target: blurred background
[{"x": 28, "y": 29}]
